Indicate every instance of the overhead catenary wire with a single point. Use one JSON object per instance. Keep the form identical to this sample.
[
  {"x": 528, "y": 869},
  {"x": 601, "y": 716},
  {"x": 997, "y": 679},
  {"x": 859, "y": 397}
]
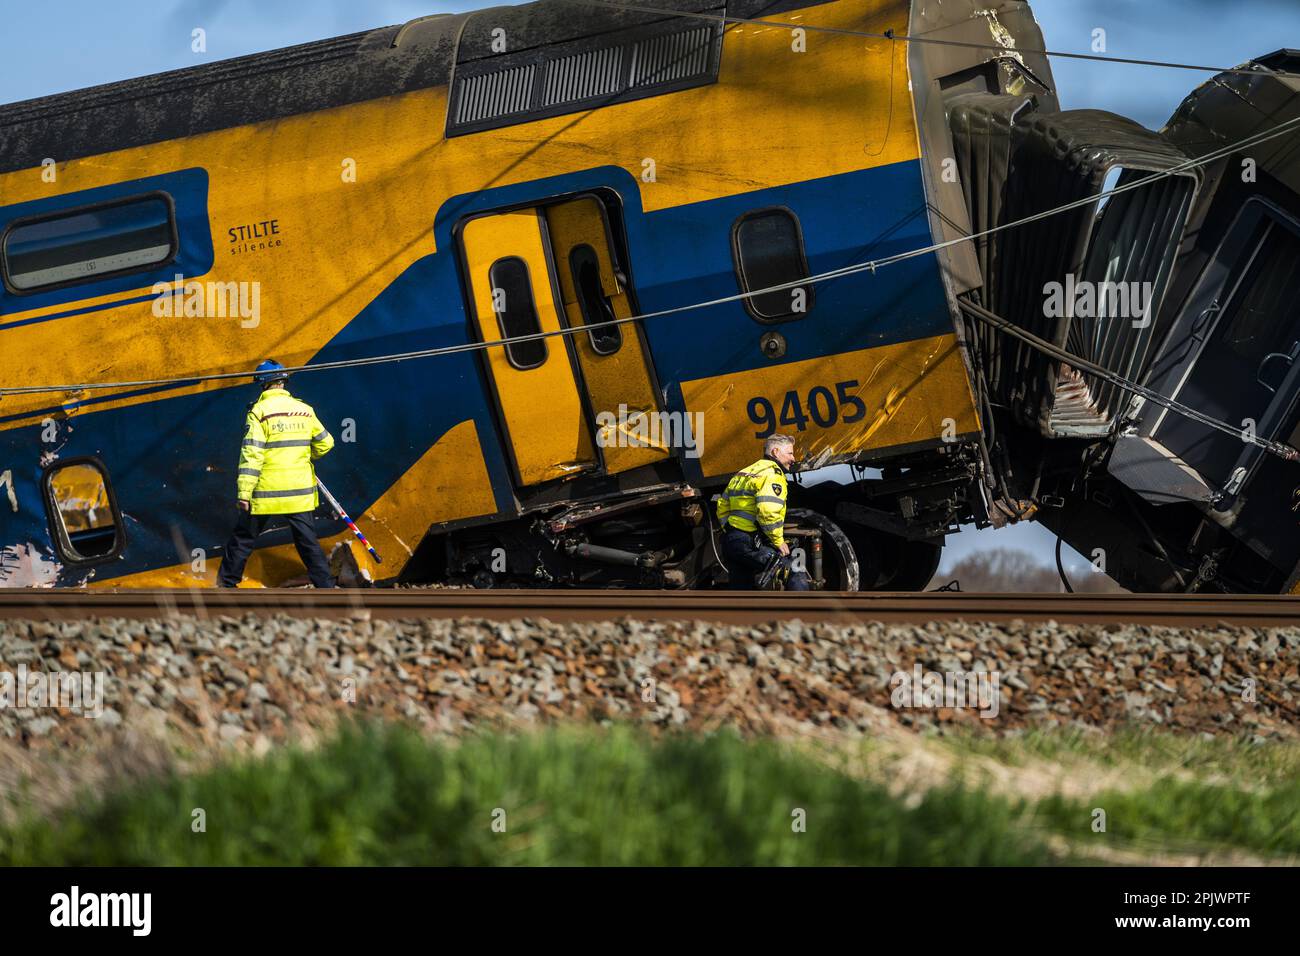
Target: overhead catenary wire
[
  {"x": 912, "y": 38},
  {"x": 868, "y": 266}
]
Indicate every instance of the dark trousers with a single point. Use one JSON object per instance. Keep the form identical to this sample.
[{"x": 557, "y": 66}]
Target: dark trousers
[
  {"x": 244, "y": 537},
  {"x": 746, "y": 554}
]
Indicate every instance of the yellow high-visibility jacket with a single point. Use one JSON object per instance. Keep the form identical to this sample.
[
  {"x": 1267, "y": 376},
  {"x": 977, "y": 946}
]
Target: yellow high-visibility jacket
[
  {"x": 282, "y": 438},
  {"x": 755, "y": 499}
]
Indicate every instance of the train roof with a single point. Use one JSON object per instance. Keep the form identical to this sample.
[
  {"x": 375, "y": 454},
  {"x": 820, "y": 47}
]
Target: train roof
[
  {"x": 1232, "y": 107},
  {"x": 311, "y": 76}
]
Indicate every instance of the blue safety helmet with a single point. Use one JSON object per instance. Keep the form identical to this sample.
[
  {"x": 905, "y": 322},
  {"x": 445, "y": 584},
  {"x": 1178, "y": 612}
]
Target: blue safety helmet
[{"x": 270, "y": 371}]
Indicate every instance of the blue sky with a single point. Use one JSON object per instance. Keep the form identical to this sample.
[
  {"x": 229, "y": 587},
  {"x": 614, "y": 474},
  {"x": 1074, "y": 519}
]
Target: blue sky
[{"x": 62, "y": 45}]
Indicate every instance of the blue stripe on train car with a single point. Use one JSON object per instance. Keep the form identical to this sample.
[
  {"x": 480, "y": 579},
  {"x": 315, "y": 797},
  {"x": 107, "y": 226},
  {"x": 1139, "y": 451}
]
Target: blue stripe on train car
[
  {"x": 172, "y": 461},
  {"x": 682, "y": 255},
  {"x": 420, "y": 310},
  {"x": 189, "y": 191},
  {"x": 25, "y": 526}
]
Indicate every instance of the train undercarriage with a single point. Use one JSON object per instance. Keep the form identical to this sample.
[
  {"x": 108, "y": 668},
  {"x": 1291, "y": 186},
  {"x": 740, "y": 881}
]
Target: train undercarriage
[{"x": 880, "y": 533}]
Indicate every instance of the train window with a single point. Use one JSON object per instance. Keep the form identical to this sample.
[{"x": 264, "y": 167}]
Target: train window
[
  {"x": 1256, "y": 316},
  {"x": 89, "y": 243},
  {"x": 767, "y": 246},
  {"x": 592, "y": 300},
  {"x": 512, "y": 297},
  {"x": 82, "y": 510}
]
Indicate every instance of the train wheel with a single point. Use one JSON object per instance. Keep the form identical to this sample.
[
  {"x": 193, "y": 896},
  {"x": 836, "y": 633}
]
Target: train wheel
[
  {"x": 839, "y": 561},
  {"x": 920, "y": 561},
  {"x": 890, "y": 563}
]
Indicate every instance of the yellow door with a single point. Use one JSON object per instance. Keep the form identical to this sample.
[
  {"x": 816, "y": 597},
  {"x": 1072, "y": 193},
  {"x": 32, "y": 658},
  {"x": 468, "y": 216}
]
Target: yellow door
[
  {"x": 614, "y": 358},
  {"x": 536, "y": 386}
]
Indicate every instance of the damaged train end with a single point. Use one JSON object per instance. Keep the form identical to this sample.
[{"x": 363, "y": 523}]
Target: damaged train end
[{"x": 1146, "y": 415}]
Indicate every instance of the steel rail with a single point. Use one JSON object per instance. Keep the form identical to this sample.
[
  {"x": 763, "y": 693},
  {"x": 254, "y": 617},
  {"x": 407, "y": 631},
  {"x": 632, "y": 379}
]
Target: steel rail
[{"x": 1203, "y": 610}]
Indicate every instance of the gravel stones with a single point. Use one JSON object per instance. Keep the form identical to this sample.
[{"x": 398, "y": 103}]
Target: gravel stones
[{"x": 238, "y": 681}]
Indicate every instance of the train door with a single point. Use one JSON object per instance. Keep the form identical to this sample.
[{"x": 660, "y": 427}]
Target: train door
[
  {"x": 613, "y": 358},
  {"x": 510, "y": 285},
  {"x": 542, "y": 269},
  {"x": 1243, "y": 367}
]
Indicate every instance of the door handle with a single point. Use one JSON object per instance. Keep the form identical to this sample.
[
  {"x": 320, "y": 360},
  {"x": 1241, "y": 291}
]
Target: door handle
[
  {"x": 1288, "y": 357},
  {"x": 1201, "y": 320}
]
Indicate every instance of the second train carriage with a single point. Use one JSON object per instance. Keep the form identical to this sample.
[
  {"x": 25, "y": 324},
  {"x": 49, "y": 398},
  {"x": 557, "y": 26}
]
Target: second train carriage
[{"x": 464, "y": 179}]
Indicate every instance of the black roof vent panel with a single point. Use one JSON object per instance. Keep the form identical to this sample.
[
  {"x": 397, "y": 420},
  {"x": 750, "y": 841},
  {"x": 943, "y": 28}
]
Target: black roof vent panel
[{"x": 645, "y": 60}]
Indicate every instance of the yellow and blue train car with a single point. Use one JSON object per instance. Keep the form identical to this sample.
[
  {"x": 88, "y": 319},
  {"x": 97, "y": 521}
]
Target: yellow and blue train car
[{"x": 464, "y": 179}]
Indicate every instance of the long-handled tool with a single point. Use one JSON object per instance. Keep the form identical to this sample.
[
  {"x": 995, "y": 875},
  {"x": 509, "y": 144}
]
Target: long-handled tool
[{"x": 338, "y": 509}]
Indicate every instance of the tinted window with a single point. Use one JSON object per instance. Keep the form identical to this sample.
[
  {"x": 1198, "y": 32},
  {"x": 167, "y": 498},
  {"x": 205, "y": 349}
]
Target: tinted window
[
  {"x": 512, "y": 298},
  {"x": 86, "y": 522},
  {"x": 89, "y": 243},
  {"x": 768, "y": 249},
  {"x": 1262, "y": 311},
  {"x": 591, "y": 298}
]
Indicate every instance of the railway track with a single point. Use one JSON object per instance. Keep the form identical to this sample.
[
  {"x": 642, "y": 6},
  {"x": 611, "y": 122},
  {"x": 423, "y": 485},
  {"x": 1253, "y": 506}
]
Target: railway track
[{"x": 1202, "y": 610}]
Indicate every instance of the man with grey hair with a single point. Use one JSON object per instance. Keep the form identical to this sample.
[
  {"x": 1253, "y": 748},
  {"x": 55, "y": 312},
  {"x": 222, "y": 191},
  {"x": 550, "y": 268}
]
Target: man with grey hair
[{"x": 752, "y": 513}]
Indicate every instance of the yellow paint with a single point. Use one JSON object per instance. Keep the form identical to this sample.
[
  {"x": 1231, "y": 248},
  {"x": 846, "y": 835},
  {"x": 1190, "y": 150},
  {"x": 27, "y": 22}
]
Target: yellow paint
[
  {"x": 23, "y": 315},
  {"x": 449, "y": 481},
  {"x": 548, "y": 429},
  {"x": 619, "y": 384},
  {"x": 908, "y": 391},
  {"x": 775, "y": 117}
]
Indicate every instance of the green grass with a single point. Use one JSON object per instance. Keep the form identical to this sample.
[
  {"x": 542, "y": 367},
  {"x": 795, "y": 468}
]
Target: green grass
[
  {"x": 387, "y": 796},
  {"x": 1188, "y": 792},
  {"x": 375, "y": 795},
  {"x": 1187, "y": 815},
  {"x": 1237, "y": 760}
]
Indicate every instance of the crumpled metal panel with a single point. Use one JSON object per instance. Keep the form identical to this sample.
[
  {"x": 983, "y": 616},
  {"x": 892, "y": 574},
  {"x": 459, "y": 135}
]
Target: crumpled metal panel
[
  {"x": 1133, "y": 244},
  {"x": 981, "y": 125},
  {"x": 1052, "y": 159}
]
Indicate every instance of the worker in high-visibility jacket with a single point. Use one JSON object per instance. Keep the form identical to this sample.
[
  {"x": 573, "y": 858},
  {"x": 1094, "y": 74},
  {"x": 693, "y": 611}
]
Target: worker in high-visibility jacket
[
  {"x": 752, "y": 513},
  {"x": 276, "y": 480}
]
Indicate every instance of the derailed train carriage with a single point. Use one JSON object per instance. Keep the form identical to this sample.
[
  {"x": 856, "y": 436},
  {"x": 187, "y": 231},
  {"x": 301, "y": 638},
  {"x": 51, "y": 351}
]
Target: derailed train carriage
[{"x": 464, "y": 184}]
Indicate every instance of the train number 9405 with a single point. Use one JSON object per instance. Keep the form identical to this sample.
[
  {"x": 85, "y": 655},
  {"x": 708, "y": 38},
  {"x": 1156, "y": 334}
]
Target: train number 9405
[{"x": 819, "y": 406}]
